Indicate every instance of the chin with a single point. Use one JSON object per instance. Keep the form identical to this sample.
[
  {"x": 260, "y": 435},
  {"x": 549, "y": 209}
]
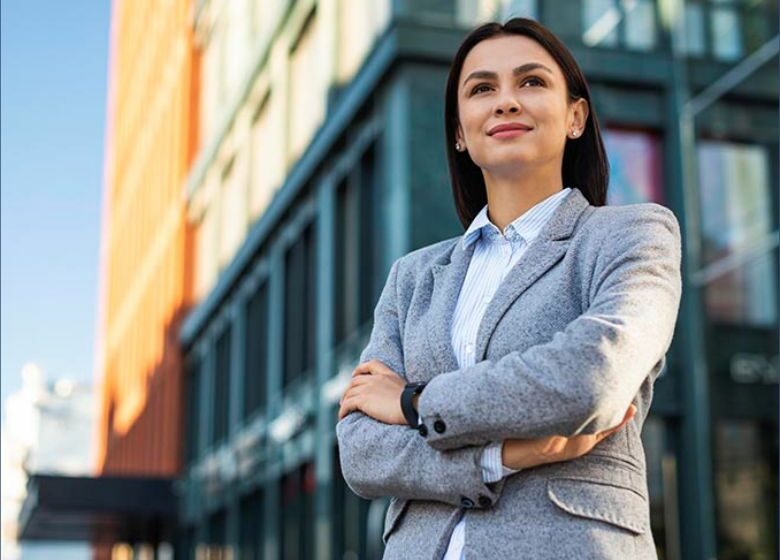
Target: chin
[{"x": 503, "y": 166}]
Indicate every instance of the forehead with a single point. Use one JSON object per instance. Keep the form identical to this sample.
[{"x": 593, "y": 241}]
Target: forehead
[{"x": 503, "y": 53}]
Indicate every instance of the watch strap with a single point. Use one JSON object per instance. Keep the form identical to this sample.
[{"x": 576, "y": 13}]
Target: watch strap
[{"x": 407, "y": 407}]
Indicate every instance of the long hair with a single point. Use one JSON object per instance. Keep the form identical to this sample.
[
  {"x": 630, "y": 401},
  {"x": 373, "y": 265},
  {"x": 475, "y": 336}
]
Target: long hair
[{"x": 585, "y": 165}]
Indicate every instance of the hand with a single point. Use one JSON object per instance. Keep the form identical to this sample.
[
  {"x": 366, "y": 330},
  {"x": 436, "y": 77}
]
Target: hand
[
  {"x": 526, "y": 453},
  {"x": 375, "y": 390}
]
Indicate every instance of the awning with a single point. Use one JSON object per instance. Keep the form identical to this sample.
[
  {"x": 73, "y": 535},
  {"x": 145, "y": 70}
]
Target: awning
[{"x": 98, "y": 509}]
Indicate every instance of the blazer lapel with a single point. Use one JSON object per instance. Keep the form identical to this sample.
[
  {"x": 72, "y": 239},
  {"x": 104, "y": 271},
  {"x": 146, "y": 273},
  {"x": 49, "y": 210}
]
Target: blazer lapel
[
  {"x": 448, "y": 277},
  {"x": 545, "y": 251}
]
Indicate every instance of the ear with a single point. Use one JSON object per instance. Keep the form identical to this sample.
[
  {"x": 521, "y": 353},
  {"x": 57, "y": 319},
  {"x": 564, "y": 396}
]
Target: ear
[
  {"x": 459, "y": 135},
  {"x": 579, "y": 111}
]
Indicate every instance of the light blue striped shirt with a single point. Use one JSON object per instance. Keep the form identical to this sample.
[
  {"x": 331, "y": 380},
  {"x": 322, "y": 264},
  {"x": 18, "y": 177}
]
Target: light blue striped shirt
[{"x": 494, "y": 256}]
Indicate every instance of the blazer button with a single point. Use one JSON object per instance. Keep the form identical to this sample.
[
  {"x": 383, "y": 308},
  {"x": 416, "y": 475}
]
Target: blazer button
[
  {"x": 466, "y": 502},
  {"x": 439, "y": 426},
  {"x": 423, "y": 429},
  {"x": 484, "y": 501}
]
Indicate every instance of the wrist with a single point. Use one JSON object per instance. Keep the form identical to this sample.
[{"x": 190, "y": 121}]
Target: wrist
[
  {"x": 507, "y": 455},
  {"x": 521, "y": 454}
]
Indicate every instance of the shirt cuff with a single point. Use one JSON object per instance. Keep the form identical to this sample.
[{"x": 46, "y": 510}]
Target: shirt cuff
[{"x": 491, "y": 462}]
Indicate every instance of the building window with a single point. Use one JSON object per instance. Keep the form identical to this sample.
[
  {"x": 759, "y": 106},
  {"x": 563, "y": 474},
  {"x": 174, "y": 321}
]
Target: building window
[
  {"x": 519, "y": 8},
  {"x": 218, "y": 548},
  {"x": 233, "y": 210},
  {"x": 267, "y": 161},
  {"x": 222, "y": 387},
  {"x": 661, "y": 458},
  {"x": 360, "y": 25},
  {"x": 308, "y": 87},
  {"x": 472, "y": 12},
  {"x": 252, "y": 526},
  {"x": 256, "y": 350},
  {"x": 619, "y": 24},
  {"x": 208, "y": 249},
  {"x": 237, "y": 49},
  {"x": 296, "y": 528},
  {"x": 300, "y": 272},
  {"x": 728, "y": 30},
  {"x": 349, "y": 517},
  {"x": 726, "y": 36},
  {"x": 356, "y": 253},
  {"x": 745, "y": 478},
  {"x": 192, "y": 406},
  {"x": 635, "y": 167},
  {"x": 737, "y": 219},
  {"x": 214, "y": 78},
  {"x": 695, "y": 39}
]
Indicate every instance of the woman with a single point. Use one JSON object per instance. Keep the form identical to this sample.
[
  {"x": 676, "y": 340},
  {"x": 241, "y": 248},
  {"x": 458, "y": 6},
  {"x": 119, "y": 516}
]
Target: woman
[{"x": 495, "y": 400}]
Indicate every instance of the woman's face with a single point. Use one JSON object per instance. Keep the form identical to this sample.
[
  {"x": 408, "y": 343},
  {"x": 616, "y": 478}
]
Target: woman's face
[{"x": 513, "y": 79}]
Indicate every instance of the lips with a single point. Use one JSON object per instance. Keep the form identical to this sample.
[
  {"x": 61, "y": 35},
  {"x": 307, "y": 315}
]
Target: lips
[{"x": 508, "y": 126}]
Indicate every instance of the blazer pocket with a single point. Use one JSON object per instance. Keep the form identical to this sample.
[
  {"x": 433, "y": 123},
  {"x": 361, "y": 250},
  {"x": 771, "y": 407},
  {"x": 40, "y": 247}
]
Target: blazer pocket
[
  {"x": 618, "y": 505},
  {"x": 393, "y": 516}
]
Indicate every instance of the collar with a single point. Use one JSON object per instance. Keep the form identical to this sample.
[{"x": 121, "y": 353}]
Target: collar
[{"x": 526, "y": 227}]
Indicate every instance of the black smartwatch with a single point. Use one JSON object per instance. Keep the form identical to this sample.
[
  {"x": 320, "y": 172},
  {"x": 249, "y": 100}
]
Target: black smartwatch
[{"x": 411, "y": 389}]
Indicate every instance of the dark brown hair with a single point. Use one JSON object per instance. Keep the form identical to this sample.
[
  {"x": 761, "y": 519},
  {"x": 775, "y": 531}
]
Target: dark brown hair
[{"x": 585, "y": 165}]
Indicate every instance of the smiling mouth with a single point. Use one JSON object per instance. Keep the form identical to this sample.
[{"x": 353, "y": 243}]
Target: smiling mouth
[{"x": 510, "y": 133}]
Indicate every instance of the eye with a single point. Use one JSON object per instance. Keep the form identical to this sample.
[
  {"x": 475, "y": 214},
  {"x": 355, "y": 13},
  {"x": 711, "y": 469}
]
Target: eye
[
  {"x": 533, "y": 79},
  {"x": 478, "y": 87}
]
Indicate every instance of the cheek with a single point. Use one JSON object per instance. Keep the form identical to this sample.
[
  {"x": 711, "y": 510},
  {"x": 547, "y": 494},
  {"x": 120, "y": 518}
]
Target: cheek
[
  {"x": 472, "y": 123},
  {"x": 474, "y": 115}
]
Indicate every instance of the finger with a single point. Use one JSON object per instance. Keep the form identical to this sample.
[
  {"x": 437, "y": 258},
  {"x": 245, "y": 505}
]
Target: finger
[
  {"x": 626, "y": 419},
  {"x": 360, "y": 380},
  {"x": 348, "y": 405},
  {"x": 372, "y": 367},
  {"x": 607, "y": 433},
  {"x": 351, "y": 393},
  {"x": 357, "y": 382},
  {"x": 630, "y": 413},
  {"x": 363, "y": 369}
]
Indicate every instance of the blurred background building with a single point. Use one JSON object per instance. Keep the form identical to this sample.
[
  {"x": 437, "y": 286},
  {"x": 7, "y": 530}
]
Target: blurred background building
[
  {"x": 49, "y": 432},
  {"x": 268, "y": 160}
]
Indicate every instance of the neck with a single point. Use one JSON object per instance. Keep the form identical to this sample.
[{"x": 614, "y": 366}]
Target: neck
[{"x": 511, "y": 196}]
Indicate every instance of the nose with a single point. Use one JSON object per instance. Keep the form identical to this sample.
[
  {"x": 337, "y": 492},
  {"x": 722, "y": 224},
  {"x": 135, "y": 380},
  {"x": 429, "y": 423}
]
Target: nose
[{"x": 507, "y": 104}]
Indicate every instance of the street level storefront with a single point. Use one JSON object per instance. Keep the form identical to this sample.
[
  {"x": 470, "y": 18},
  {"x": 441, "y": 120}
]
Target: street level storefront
[{"x": 98, "y": 509}]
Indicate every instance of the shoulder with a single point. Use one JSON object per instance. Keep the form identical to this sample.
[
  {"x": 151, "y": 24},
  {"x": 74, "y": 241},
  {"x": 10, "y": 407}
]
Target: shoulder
[
  {"x": 618, "y": 224},
  {"x": 415, "y": 264},
  {"x": 631, "y": 233},
  {"x": 425, "y": 256}
]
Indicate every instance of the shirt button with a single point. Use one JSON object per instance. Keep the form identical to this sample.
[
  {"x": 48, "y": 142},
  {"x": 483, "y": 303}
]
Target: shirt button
[
  {"x": 469, "y": 348},
  {"x": 466, "y": 502},
  {"x": 423, "y": 429},
  {"x": 439, "y": 426},
  {"x": 484, "y": 501}
]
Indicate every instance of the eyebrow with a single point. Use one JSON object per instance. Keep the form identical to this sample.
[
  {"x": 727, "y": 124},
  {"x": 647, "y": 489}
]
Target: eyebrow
[{"x": 486, "y": 74}]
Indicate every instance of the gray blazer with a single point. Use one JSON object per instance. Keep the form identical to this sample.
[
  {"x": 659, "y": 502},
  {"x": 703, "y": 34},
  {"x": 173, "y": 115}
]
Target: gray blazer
[{"x": 577, "y": 331}]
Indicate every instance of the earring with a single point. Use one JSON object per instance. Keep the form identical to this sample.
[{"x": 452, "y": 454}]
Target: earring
[
  {"x": 575, "y": 133},
  {"x": 457, "y": 146}
]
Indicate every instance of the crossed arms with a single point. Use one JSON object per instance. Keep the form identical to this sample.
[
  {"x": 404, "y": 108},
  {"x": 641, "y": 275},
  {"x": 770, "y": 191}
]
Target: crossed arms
[{"x": 627, "y": 329}]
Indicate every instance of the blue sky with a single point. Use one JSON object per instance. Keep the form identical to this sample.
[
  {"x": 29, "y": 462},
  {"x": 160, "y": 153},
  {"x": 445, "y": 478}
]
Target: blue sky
[{"x": 52, "y": 120}]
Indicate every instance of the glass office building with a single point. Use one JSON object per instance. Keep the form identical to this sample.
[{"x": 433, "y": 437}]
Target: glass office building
[{"x": 322, "y": 160}]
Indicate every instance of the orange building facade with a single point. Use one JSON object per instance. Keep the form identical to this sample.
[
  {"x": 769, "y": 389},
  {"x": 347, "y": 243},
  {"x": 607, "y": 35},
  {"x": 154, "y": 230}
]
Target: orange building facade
[{"x": 145, "y": 278}]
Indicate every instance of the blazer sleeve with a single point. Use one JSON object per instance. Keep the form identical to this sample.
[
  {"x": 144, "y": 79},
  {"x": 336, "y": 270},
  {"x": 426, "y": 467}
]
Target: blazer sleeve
[
  {"x": 379, "y": 459},
  {"x": 584, "y": 378}
]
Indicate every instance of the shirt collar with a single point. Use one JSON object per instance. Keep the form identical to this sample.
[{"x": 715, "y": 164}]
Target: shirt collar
[{"x": 524, "y": 228}]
